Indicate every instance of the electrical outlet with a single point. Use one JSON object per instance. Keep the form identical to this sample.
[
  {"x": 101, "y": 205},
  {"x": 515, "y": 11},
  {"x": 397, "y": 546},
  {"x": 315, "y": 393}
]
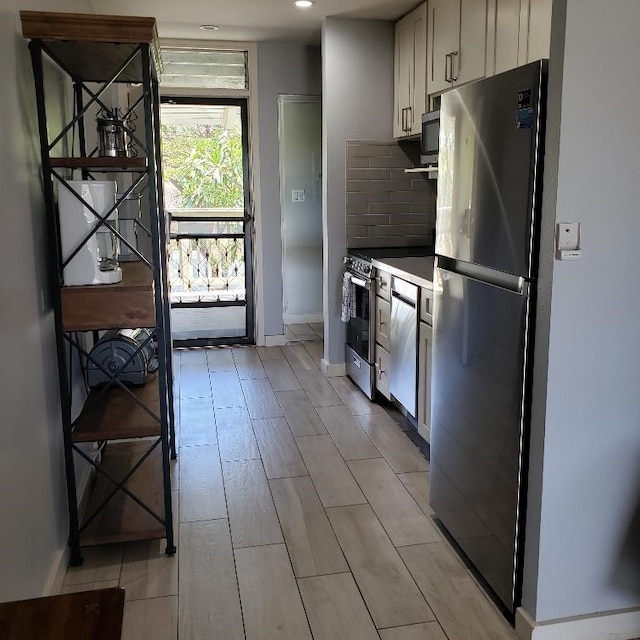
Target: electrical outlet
[
  {"x": 298, "y": 195},
  {"x": 568, "y": 241}
]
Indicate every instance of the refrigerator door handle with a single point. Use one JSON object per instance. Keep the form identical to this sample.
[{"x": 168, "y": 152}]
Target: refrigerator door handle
[{"x": 504, "y": 281}]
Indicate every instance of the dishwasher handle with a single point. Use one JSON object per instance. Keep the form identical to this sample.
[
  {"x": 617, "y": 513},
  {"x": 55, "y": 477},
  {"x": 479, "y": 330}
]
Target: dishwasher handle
[
  {"x": 406, "y": 299},
  {"x": 404, "y": 291}
]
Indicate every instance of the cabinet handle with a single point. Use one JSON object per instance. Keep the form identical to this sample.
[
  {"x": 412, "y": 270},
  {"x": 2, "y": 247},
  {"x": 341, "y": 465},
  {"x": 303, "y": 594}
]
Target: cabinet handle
[
  {"x": 404, "y": 119},
  {"x": 454, "y": 78},
  {"x": 409, "y": 119},
  {"x": 447, "y": 59}
]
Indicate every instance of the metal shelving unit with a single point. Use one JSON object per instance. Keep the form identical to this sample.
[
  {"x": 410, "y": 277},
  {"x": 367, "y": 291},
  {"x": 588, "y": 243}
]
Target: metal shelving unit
[{"x": 134, "y": 427}]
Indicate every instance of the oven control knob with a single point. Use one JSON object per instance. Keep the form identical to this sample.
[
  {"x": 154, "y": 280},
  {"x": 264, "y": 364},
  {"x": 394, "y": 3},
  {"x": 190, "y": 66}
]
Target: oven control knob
[{"x": 367, "y": 268}]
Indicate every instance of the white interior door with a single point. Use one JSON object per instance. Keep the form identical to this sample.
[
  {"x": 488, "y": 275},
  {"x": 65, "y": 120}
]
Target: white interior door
[{"x": 300, "y": 134}]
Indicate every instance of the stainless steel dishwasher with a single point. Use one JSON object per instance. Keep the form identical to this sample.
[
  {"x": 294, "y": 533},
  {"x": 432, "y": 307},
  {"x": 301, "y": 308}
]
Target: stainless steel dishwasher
[{"x": 404, "y": 342}]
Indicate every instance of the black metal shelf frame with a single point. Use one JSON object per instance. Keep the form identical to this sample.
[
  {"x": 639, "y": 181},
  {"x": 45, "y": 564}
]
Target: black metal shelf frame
[{"x": 149, "y": 179}]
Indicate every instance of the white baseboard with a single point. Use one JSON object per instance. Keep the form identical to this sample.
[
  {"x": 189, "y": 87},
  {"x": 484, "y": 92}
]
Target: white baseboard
[
  {"x": 303, "y": 318},
  {"x": 333, "y": 370},
  {"x": 275, "y": 341},
  {"x": 615, "y": 625}
]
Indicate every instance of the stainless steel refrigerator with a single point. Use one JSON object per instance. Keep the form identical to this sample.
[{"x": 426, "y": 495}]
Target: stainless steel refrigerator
[{"x": 489, "y": 189}]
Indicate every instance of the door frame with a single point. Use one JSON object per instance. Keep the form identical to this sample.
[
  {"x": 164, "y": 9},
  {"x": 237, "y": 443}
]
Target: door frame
[
  {"x": 251, "y": 94},
  {"x": 169, "y": 97}
]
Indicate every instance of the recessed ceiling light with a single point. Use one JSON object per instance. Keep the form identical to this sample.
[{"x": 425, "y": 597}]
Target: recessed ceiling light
[
  {"x": 303, "y": 4},
  {"x": 209, "y": 27}
]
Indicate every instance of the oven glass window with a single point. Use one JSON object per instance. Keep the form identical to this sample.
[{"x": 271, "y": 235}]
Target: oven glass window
[{"x": 358, "y": 328}]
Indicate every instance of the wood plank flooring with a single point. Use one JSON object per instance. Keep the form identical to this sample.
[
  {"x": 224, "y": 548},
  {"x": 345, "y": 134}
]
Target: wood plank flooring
[{"x": 301, "y": 514}]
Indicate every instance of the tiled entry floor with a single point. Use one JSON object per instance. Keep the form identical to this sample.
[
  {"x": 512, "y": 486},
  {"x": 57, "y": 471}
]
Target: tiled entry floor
[
  {"x": 303, "y": 513},
  {"x": 301, "y": 332}
]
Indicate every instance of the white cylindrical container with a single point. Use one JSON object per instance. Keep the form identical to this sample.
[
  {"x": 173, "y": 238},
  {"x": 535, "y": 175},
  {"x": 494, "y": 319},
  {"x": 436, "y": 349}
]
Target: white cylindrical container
[{"x": 96, "y": 260}]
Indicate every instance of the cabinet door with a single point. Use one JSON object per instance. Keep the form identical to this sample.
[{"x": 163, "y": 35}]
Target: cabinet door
[
  {"x": 382, "y": 371},
  {"x": 506, "y": 27},
  {"x": 469, "y": 64},
  {"x": 425, "y": 342},
  {"x": 419, "y": 79},
  {"x": 403, "y": 73},
  {"x": 383, "y": 321},
  {"x": 444, "y": 39},
  {"x": 538, "y": 30},
  {"x": 383, "y": 284}
]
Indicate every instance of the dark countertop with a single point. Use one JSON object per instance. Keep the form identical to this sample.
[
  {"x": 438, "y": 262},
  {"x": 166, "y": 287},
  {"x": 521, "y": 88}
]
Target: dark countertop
[{"x": 414, "y": 269}]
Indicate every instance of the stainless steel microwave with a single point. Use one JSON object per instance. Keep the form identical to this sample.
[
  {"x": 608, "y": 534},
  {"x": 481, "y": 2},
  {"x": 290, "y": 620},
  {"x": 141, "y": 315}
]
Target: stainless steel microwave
[{"x": 430, "y": 138}]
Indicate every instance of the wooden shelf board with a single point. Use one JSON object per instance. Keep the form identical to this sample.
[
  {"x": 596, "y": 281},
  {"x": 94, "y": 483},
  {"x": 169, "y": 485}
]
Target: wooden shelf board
[
  {"x": 126, "y": 305},
  {"x": 100, "y": 162},
  {"x": 114, "y": 414},
  {"x": 92, "y": 47},
  {"x": 48, "y": 25},
  {"x": 122, "y": 519}
]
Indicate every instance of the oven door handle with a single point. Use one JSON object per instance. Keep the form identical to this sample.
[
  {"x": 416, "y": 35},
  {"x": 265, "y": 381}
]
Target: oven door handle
[{"x": 361, "y": 282}]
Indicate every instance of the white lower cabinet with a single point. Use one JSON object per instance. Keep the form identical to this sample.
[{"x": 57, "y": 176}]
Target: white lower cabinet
[
  {"x": 425, "y": 348},
  {"x": 383, "y": 332},
  {"x": 383, "y": 322},
  {"x": 383, "y": 361}
]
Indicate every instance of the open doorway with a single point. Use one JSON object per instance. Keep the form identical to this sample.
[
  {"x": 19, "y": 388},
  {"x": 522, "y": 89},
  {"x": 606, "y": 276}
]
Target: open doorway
[
  {"x": 300, "y": 137},
  {"x": 206, "y": 192}
]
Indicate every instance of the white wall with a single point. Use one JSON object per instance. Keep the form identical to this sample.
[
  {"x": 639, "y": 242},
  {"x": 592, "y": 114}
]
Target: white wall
[
  {"x": 32, "y": 494},
  {"x": 583, "y": 533},
  {"x": 282, "y": 69},
  {"x": 357, "y": 97}
]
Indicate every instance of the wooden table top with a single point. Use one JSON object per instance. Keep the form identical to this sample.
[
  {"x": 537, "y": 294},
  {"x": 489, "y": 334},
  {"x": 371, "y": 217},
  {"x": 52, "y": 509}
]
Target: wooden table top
[{"x": 86, "y": 615}]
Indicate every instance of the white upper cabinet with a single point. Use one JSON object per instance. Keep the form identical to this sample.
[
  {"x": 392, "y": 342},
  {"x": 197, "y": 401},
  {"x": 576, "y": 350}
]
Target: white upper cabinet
[
  {"x": 456, "y": 42},
  {"x": 538, "y": 30},
  {"x": 519, "y": 32},
  {"x": 410, "y": 72},
  {"x": 503, "y": 55}
]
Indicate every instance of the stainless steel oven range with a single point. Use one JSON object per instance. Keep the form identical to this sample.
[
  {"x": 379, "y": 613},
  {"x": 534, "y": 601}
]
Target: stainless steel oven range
[{"x": 360, "y": 345}]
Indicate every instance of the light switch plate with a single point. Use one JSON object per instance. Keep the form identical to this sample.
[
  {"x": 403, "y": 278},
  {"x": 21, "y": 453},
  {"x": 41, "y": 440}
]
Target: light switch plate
[{"x": 298, "y": 195}]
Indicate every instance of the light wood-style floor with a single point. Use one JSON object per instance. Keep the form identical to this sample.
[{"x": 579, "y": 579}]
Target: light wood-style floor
[
  {"x": 302, "y": 512},
  {"x": 302, "y": 332}
]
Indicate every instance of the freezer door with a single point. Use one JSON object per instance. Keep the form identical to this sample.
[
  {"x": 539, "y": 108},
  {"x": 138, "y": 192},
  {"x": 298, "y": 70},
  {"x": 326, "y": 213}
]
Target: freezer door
[
  {"x": 480, "y": 335},
  {"x": 489, "y": 170}
]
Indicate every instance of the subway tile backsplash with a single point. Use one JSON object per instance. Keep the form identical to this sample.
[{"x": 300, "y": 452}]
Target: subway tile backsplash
[{"x": 387, "y": 207}]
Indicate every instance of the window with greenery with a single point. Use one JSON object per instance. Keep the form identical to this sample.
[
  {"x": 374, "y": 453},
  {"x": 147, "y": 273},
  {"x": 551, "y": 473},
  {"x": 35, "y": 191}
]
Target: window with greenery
[{"x": 203, "y": 164}]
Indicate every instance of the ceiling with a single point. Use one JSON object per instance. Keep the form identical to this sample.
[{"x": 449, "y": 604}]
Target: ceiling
[{"x": 251, "y": 20}]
